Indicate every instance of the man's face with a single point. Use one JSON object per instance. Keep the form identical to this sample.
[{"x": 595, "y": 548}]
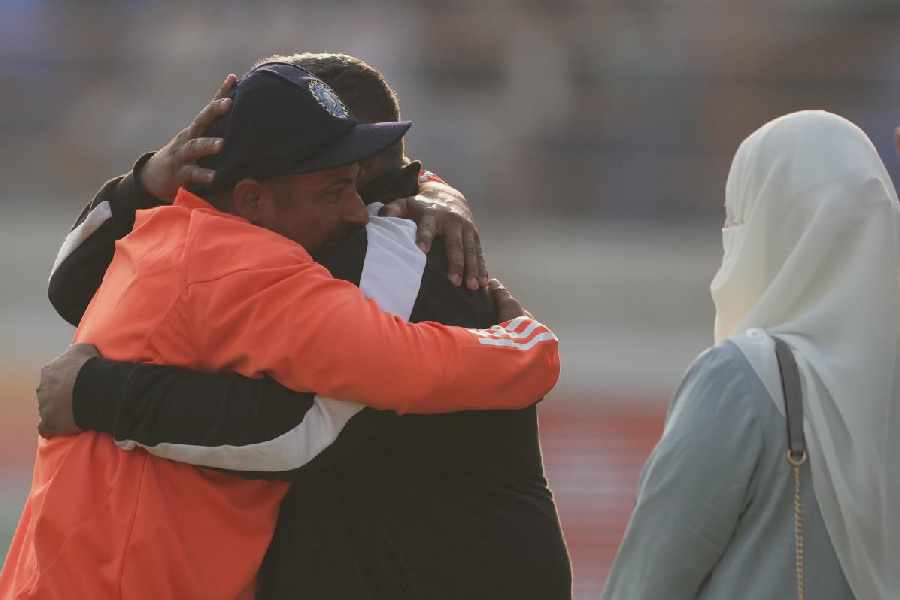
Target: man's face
[{"x": 314, "y": 209}]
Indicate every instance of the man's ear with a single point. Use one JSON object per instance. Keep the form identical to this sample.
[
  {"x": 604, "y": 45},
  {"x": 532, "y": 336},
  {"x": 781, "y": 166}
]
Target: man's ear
[{"x": 246, "y": 200}]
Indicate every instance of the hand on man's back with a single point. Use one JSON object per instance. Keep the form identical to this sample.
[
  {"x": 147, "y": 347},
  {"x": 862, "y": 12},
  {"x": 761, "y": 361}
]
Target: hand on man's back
[{"x": 441, "y": 211}]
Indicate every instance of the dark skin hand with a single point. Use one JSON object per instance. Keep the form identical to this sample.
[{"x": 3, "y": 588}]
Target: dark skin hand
[
  {"x": 506, "y": 305},
  {"x": 174, "y": 165},
  {"x": 54, "y": 394},
  {"x": 442, "y": 211}
]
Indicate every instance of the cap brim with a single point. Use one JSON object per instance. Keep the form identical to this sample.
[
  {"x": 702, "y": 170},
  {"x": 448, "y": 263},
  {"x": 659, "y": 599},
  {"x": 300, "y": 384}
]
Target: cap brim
[{"x": 363, "y": 141}]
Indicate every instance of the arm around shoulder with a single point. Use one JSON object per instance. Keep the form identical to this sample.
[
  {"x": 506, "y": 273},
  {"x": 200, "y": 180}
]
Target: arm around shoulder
[
  {"x": 88, "y": 249},
  {"x": 312, "y": 332},
  {"x": 220, "y": 420}
]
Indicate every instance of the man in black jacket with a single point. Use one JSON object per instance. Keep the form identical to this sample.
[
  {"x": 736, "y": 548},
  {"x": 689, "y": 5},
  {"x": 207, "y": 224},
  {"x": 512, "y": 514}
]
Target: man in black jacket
[{"x": 449, "y": 506}]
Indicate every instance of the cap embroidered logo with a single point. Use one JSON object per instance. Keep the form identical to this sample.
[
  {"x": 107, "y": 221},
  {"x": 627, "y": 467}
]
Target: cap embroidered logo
[{"x": 326, "y": 97}]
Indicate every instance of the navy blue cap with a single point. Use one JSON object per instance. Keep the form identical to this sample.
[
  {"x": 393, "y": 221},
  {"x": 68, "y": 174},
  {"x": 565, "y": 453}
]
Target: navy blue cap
[{"x": 285, "y": 121}]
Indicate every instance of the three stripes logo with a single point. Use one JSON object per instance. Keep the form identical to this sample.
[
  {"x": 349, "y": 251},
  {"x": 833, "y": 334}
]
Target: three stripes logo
[{"x": 522, "y": 333}]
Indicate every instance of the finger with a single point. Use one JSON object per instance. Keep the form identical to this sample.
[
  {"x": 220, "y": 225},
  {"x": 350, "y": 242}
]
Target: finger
[
  {"x": 225, "y": 88},
  {"x": 498, "y": 291},
  {"x": 483, "y": 274},
  {"x": 425, "y": 232},
  {"x": 489, "y": 291},
  {"x": 397, "y": 208},
  {"x": 501, "y": 297},
  {"x": 200, "y": 147},
  {"x": 456, "y": 255},
  {"x": 189, "y": 174},
  {"x": 471, "y": 249},
  {"x": 507, "y": 305},
  {"x": 210, "y": 112},
  {"x": 495, "y": 287}
]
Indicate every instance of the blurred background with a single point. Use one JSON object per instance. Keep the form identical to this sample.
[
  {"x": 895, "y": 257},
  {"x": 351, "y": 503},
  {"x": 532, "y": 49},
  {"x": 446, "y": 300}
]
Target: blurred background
[{"x": 591, "y": 137}]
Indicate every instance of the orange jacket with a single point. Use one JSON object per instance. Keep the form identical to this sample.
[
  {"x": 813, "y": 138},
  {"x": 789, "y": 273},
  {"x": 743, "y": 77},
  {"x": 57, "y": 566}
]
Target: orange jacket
[{"x": 197, "y": 288}]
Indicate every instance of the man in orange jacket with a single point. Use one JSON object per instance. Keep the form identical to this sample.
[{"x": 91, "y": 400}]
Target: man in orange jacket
[{"x": 221, "y": 284}]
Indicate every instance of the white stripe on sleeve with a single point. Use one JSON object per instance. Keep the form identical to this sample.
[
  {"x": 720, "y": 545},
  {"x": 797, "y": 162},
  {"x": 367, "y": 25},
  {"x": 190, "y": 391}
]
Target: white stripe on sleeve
[
  {"x": 522, "y": 333},
  {"x": 94, "y": 220},
  {"x": 508, "y": 343},
  {"x": 509, "y": 330},
  {"x": 291, "y": 450}
]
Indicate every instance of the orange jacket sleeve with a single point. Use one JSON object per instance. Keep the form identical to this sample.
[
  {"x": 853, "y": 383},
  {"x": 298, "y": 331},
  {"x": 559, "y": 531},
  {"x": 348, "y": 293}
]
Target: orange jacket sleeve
[{"x": 312, "y": 332}]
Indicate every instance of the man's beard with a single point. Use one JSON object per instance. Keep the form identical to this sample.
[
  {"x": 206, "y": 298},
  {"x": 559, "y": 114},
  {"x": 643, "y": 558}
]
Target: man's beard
[{"x": 335, "y": 240}]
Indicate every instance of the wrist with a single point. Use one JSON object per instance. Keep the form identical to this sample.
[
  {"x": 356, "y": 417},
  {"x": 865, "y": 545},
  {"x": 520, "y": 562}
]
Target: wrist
[
  {"x": 144, "y": 196},
  {"x": 93, "y": 395},
  {"x": 129, "y": 196}
]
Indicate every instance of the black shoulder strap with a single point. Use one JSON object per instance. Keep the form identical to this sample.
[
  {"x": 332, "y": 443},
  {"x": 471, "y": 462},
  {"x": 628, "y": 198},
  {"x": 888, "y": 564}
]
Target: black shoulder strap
[{"x": 793, "y": 397}]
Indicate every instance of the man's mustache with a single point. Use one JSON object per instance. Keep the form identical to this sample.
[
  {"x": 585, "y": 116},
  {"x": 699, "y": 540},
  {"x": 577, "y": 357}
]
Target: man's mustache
[{"x": 335, "y": 239}]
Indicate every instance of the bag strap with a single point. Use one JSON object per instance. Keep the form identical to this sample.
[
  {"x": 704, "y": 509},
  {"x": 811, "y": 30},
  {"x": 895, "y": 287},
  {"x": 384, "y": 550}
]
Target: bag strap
[
  {"x": 796, "y": 455},
  {"x": 793, "y": 398}
]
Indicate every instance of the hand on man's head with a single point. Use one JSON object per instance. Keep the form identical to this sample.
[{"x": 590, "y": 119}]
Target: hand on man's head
[
  {"x": 441, "y": 211},
  {"x": 55, "y": 391},
  {"x": 175, "y": 164}
]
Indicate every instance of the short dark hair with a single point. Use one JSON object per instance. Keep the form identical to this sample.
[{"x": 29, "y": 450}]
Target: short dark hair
[{"x": 361, "y": 86}]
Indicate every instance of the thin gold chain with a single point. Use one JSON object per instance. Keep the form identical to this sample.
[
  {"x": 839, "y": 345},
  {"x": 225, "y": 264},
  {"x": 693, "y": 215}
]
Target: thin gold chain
[{"x": 799, "y": 538}]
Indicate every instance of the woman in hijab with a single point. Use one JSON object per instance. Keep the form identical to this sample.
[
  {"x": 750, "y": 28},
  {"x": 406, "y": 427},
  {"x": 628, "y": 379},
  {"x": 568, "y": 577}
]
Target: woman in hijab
[{"x": 811, "y": 257}]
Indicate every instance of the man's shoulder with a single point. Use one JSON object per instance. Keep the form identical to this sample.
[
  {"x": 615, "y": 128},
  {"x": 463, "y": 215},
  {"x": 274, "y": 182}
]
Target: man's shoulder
[
  {"x": 219, "y": 244},
  {"x": 158, "y": 234}
]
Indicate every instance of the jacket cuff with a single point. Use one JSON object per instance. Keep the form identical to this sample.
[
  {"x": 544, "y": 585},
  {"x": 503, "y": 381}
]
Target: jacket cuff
[
  {"x": 96, "y": 392},
  {"x": 142, "y": 198},
  {"x": 130, "y": 196}
]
